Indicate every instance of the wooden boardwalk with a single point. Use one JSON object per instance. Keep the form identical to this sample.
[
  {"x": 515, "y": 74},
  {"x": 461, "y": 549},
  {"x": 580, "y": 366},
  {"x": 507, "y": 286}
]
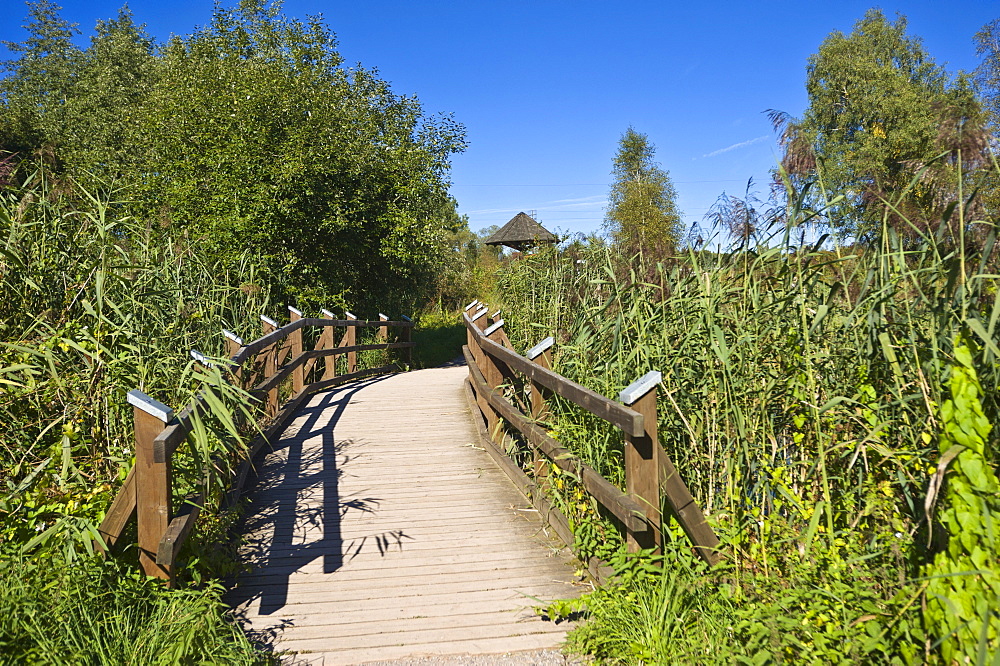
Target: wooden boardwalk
[{"x": 378, "y": 531}]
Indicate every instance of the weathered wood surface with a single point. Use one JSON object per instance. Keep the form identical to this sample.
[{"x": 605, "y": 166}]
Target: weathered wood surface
[{"x": 379, "y": 530}]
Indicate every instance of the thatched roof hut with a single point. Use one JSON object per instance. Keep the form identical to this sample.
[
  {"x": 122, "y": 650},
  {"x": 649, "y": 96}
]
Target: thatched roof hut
[{"x": 521, "y": 232}]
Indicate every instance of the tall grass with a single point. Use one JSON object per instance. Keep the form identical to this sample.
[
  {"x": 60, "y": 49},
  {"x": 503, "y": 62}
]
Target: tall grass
[
  {"x": 93, "y": 303},
  {"x": 801, "y": 400}
]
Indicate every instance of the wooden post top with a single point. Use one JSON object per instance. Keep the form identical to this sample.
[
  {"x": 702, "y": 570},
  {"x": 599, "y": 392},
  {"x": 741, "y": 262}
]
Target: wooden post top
[
  {"x": 295, "y": 311},
  {"x": 405, "y": 318},
  {"x": 267, "y": 320},
  {"x": 138, "y": 399},
  {"x": 640, "y": 387},
  {"x": 479, "y": 313},
  {"x": 540, "y": 348},
  {"x": 326, "y": 313},
  {"x": 348, "y": 315},
  {"x": 471, "y": 305},
  {"x": 383, "y": 317}
]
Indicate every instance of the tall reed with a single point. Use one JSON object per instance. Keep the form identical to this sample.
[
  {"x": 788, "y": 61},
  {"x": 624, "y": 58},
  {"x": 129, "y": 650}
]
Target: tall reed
[{"x": 802, "y": 386}]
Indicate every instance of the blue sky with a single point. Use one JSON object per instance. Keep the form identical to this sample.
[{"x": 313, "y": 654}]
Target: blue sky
[{"x": 545, "y": 88}]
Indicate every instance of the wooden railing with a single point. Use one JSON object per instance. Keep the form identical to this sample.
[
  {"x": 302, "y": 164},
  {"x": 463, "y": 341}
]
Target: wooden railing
[
  {"x": 497, "y": 374},
  {"x": 261, "y": 367}
]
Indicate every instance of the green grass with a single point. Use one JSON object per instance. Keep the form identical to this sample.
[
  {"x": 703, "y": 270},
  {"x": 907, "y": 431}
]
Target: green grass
[
  {"x": 805, "y": 403},
  {"x": 439, "y": 337},
  {"x": 96, "y": 612}
]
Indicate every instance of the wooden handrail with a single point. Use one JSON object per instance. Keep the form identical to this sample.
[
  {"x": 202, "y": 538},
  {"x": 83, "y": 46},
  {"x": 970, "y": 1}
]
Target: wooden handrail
[
  {"x": 623, "y": 507},
  {"x": 613, "y": 412},
  {"x": 650, "y": 474},
  {"x": 146, "y": 495}
]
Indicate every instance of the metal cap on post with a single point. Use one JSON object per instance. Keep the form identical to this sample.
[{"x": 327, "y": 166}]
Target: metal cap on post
[
  {"x": 471, "y": 305},
  {"x": 232, "y": 337},
  {"x": 493, "y": 328},
  {"x": 479, "y": 315},
  {"x": 641, "y": 460},
  {"x": 154, "y": 408},
  {"x": 201, "y": 358},
  {"x": 540, "y": 348}
]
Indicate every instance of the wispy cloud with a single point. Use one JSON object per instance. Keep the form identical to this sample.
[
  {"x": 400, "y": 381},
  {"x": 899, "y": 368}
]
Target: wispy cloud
[
  {"x": 741, "y": 144},
  {"x": 579, "y": 204}
]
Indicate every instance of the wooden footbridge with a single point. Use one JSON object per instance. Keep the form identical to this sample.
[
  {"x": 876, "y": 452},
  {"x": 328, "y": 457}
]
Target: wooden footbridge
[{"x": 392, "y": 515}]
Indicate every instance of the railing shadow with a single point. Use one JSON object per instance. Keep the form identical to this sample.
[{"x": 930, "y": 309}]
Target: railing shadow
[{"x": 297, "y": 507}]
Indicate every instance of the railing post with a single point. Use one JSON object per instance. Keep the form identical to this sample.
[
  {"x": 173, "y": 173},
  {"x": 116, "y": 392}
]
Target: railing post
[
  {"x": 351, "y": 337},
  {"x": 478, "y": 356},
  {"x": 270, "y": 365},
  {"x": 540, "y": 354},
  {"x": 152, "y": 482},
  {"x": 642, "y": 472},
  {"x": 233, "y": 344},
  {"x": 493, "y": 377},
  {"x": 298, "y": 374},
  {"x": 329, "y": 343},
  {"x": 383, "y": 331},
  {"x": 406, "y": 335}
]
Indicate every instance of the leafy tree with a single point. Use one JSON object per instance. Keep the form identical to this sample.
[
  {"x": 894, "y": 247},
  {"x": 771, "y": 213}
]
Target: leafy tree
[
  {"x": 885, "y": 123},
  {"x": 40, "y": 79},
  {"x": 988, "y": 72},
  {"x": 250, "y": 137},
  {"x": 642, "y": 206}
]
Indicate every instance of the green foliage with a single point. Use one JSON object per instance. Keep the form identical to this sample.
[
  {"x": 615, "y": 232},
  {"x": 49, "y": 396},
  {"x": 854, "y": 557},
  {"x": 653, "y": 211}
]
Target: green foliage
[
  {"x": 988, "y": 73},
  {"x": 672, "y": 609},
  {"x": 439, "y": 337},
  {"x": 91, "y": 306},
  {"x": 96, "y": 612},
  {"x": 250, "y": 137},
  {"x": 964, "y": 583},
  {"x": 33, "y": 95},
  {"x": 642, "y": 205},
  {"x": 885, "y": 123},
  {"x": 799, "y": 403}
]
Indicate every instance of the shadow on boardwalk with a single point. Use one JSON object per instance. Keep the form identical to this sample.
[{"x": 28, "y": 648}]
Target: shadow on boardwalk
[{"x": 296, "y": 494}]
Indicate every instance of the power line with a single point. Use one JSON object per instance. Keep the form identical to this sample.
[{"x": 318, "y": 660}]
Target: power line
[{"x": 676, "y": 182}]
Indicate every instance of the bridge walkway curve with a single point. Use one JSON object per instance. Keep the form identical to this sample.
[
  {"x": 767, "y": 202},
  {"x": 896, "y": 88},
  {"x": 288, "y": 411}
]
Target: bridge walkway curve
[{"x": 378, "y": 530}]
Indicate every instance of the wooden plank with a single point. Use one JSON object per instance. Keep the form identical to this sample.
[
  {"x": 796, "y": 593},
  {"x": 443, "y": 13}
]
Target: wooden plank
[
  {"x": 351, "y": 339},
  {"x": 364, "y": 654},
  {"x": 375, "y": 574},
  {"x": 152, "y": 482},
  {"x": 615, "y": 413},
  {"x": 177, "y": 532},
  {"x": 539, "y": 408},
  {"x": 295, "y": 338},
  {"x": 120, "y": 512},
  {"x": 642, "y": 473},
  {"x": 269, "y": 365},
  {"x": 331, "y": 361},
  {"x": 599, "y": 570},
  {"x": 686, "y": 510},
  {"x": 627, "y": 510}
]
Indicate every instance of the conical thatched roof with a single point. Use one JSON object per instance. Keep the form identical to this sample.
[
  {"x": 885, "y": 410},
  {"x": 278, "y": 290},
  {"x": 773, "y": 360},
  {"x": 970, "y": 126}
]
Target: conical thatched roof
[{"x": 520, "y": 232}]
